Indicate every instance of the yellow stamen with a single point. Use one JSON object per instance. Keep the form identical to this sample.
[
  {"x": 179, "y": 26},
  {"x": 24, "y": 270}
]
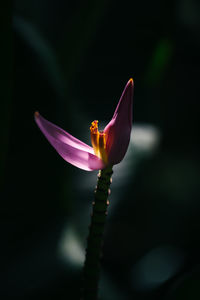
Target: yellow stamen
[
  {"x": 95, "y": 136},
  {"x": 102, "y": 146},
  {"x": 98, "y": 141}
]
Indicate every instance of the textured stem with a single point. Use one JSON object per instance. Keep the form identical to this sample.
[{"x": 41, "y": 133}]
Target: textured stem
[{"x": 91, "y": 269}]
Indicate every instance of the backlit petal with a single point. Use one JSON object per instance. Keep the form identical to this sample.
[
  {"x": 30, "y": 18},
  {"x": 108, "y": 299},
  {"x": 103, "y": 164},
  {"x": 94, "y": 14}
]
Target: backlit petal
[
  {"x": 71, "y": 149},
  {"x": 118, "y": 129}
]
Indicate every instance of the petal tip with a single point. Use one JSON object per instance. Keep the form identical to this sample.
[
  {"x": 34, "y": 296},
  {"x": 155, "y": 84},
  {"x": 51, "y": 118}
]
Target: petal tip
[
  {"x": 131, "y": 82},
  {"x": 36, "y": 114}
]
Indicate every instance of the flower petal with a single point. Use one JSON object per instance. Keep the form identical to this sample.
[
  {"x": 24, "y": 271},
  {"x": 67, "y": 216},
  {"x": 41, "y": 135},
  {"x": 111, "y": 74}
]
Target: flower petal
[
  {"x": 71, "y": 149},
  {"x": 118, "y": 130}
]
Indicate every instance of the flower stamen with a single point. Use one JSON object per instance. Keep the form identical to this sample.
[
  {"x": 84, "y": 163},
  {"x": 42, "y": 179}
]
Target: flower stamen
[
  {"x": 98, "y": 140},
  {"x": 102, "y": 146}
]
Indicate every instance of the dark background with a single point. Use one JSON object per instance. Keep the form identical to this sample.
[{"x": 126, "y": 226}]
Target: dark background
[{"x": 71, "y": 61}]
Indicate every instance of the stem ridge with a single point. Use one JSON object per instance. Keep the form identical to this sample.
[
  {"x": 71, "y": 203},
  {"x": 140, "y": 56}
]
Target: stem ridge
[{"x": 91, "y": 269}]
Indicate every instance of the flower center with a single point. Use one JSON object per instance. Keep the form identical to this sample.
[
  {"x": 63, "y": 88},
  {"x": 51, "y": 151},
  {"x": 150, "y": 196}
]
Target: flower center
[{"x": 98, "y": 139}]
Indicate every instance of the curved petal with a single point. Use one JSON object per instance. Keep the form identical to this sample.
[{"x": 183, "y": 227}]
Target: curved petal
[
  {"x": 118, "y": 130},
  {"x": 70, "y": 149}
]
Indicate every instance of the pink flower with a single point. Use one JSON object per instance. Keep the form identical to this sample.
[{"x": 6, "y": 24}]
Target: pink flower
[{"x": 109, "y": 145}]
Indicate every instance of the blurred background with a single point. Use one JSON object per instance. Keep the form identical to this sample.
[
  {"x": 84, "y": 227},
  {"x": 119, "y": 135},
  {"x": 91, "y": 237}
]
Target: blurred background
[{"x": 71, "y": 61}]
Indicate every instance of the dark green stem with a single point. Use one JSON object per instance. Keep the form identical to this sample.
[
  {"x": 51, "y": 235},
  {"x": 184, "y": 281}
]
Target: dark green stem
[{"x": 91, "y": 270}]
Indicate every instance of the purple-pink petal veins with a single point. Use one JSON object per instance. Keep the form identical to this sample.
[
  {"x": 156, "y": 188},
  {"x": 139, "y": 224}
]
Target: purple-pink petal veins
[
  {"x": 70, "y": 149},
  {"x": 118, "y": 130}
]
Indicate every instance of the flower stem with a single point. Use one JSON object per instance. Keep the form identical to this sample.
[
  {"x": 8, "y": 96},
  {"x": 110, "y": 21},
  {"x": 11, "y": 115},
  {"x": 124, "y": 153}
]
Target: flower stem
[{"x": 91, "y": 270}]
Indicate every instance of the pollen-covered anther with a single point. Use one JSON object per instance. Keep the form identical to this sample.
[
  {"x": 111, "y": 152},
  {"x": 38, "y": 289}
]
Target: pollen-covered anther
[
  {"x": 98, "y": 140},
  {"x": 95, "y": 136},
  {"x": 94, "y": 127}
]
